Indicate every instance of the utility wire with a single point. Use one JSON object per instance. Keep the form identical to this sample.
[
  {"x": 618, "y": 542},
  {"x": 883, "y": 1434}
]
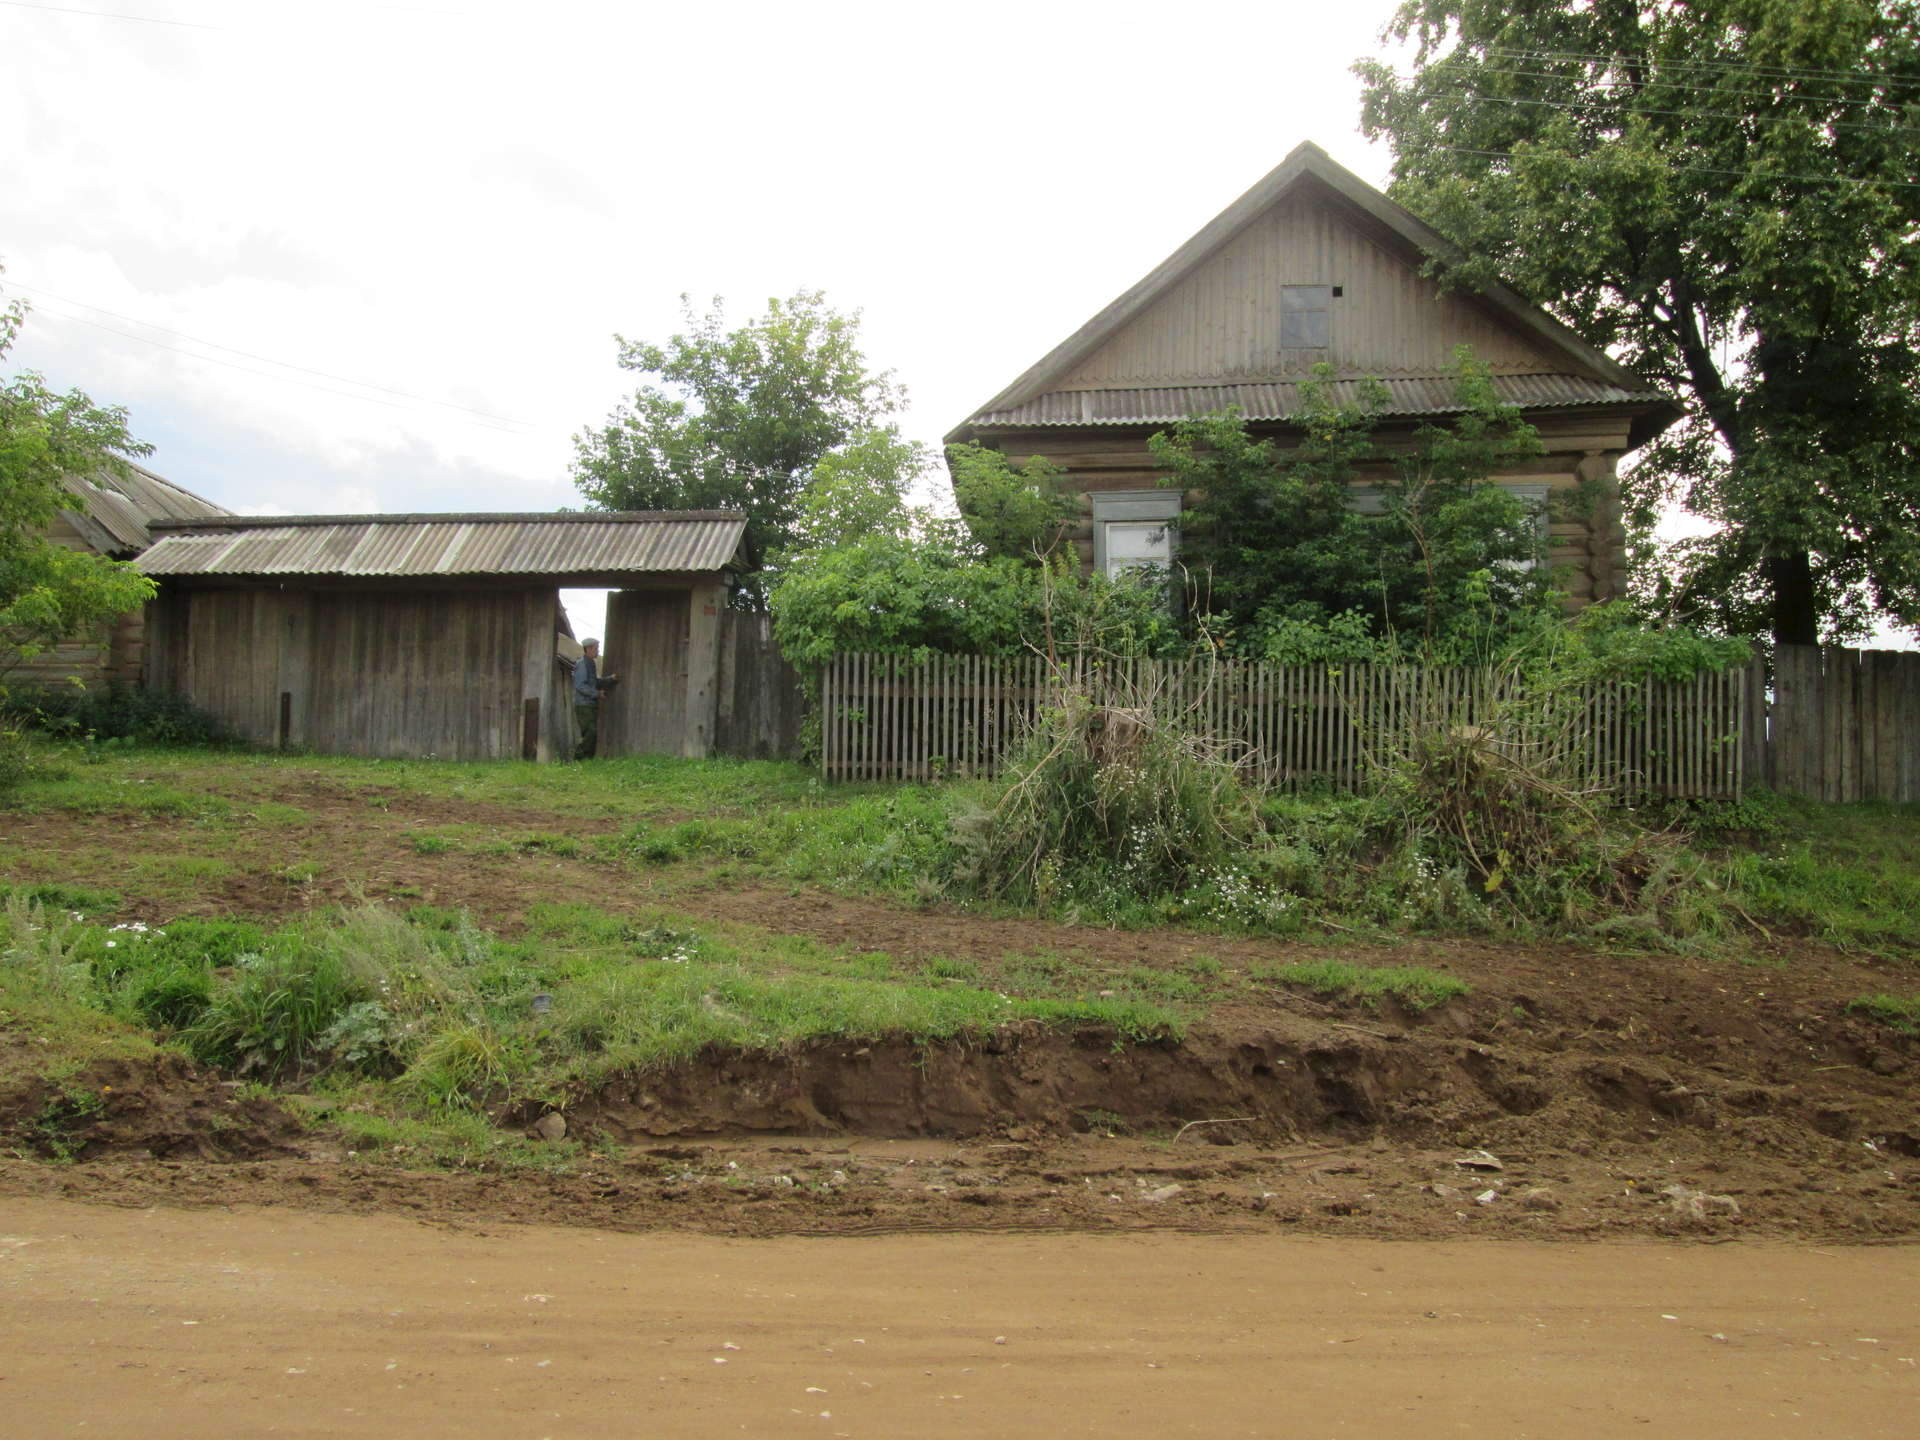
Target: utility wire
[
  {"x": 263, "y": 374},
  {"x": 1683, "y": 85},
  {"x": 1713, "y": 170},
  {"x": 1789, "y": 72},
  {"x": 109, "y": 15},
  {"x": 502, "y": 420},
  {"x": 1480, "y": 97}
]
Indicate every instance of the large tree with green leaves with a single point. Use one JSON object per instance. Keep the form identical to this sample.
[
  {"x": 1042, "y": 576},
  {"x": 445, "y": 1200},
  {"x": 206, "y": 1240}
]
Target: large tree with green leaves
[
  {"x": 738, "y": 419},
  {"x": 1723, "y": 193},
  {"x": 49, "y": 593}
]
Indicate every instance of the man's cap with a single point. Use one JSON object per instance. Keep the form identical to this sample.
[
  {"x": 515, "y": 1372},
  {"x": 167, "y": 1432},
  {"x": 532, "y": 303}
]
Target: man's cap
[{"x": 590, "y": 640}]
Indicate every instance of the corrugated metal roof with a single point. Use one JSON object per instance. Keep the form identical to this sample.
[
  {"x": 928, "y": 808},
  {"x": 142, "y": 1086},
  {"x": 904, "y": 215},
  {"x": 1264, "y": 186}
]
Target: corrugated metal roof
[
  {"x": 557, "y": 545},
  {"x": 1280, "y": 400},
  {"x": 120, "y": 507}
]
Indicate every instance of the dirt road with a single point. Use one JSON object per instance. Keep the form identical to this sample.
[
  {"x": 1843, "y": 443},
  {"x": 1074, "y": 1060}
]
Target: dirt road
[{"x": 163, "y": 1323}]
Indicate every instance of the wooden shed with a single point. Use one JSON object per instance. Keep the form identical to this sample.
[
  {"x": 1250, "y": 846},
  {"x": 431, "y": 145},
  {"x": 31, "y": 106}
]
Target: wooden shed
[
  {"x": 1314, "y": 266},
  {"x": 112, "y": 521},
  {"x": 438, "y": 635}
]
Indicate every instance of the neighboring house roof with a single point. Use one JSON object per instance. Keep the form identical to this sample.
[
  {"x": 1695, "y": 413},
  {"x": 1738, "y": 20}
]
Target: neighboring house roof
[
  {"x": 120, "y": 508},
  {"x": 1200, "y": 331},
  {"x": 546, "y": 546}
]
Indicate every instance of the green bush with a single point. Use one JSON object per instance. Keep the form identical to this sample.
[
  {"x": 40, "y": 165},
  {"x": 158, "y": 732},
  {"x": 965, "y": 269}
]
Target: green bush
[{"x": 120, "y": 712}]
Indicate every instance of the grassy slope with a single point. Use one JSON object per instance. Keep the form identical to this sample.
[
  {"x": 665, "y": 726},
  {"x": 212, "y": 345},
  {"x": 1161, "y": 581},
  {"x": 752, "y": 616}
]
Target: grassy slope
[{"x": 629, "y": 991}]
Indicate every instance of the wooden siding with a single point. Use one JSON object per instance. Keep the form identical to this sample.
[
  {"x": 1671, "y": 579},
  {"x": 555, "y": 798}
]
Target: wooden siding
[
  {"x": 1222, "y": 321},
  {"x": 887, "y": 717},
  {"x": 395, "y": 674}
]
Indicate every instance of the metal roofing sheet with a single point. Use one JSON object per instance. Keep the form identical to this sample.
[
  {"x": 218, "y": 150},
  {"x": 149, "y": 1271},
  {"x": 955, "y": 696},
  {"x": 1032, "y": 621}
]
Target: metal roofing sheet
[
  {"x": 1280, "y": 400},
  {"x": 120, "y": 507},
  {"x": 426, "y": 545}
]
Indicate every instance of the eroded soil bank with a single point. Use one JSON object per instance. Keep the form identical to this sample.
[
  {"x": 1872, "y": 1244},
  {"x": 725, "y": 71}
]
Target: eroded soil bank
[{"x": 1396, "y": 1124}]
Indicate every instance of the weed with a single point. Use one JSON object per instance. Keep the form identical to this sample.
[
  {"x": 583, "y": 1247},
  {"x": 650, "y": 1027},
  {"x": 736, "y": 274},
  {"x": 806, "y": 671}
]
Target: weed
[
  {"x": 431, "y": 844},
  {"x": 1902, "y": 1012},
  {"x": 1413, "y": 986}
]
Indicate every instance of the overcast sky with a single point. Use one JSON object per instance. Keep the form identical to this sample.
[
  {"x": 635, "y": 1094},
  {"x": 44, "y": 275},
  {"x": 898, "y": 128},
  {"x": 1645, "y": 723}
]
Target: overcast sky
[{"x": 357, "y": 256}]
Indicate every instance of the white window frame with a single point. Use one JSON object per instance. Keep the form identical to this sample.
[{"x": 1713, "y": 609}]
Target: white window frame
[{"x": 1133, "y": 508}]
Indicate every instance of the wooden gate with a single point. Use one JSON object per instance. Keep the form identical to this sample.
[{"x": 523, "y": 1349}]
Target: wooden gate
[{"x": 646, "y": 646}]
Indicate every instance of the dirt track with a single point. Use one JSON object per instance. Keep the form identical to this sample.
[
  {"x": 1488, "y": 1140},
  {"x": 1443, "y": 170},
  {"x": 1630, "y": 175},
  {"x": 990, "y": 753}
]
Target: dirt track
[{"x": 161, "y": 1323}]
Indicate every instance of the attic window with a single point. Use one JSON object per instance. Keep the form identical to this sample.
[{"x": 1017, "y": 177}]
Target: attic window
[{"x": 1306, "y": 315}]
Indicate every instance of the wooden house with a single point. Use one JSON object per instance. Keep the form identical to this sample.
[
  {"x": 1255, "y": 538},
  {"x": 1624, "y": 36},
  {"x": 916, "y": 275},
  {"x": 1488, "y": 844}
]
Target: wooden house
[
  {"x": 1314, "y": 266},
  {"x": 437, "y": 635},
  {"x": 113, "y": 521}
]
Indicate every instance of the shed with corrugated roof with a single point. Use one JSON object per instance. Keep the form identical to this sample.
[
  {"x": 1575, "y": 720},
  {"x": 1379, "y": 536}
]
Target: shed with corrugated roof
[
  {"x": 409, "y": 636},
  {"x": 1314, "y": 267}
]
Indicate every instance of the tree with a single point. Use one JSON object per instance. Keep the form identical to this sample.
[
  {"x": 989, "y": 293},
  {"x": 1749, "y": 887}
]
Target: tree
[
  {"x": 1722, "y": 193},
  {"x": 47, "y": 592},
  {"x": 1445, "y": 565},
  {"x": 738, "y": 419}
]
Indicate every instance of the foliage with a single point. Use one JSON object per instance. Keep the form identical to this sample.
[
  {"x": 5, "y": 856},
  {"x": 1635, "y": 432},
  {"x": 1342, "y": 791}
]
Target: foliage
[
  {"x": 1130, "y": 798},
  {"x": 1013, "y": 513},
  {"x": 1720, "y": 193},
  {"x": 120, "y": 712},
  {"x": 739, "y": 419},
  {"x": 47, "y": 592},
  {"x": 1445, "y": 569},
  {"x": 16, "y": 758}
]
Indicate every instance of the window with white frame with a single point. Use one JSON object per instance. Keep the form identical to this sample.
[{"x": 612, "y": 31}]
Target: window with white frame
[{"x": 1135, "y": 530}]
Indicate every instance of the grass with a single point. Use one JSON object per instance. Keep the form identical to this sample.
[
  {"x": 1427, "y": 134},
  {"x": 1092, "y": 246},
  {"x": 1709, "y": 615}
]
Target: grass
[
  {"x": 1413, "y": 986},
  {"x": 425, "y": 1015},
  {"x": 1902, "y": 1012}
]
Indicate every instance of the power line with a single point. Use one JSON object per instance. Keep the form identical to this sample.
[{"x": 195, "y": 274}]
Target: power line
[
  {"x": 501, "y": 420},
  {"x": 1684, "y": 85},
  {"x": 109, "y": 15},
  {"x": 263, "y": 374},
  {"x": 1711, "y": 170},
  {"x": 1788, "y": 72},
  {"x": 1911, "y": 125}
]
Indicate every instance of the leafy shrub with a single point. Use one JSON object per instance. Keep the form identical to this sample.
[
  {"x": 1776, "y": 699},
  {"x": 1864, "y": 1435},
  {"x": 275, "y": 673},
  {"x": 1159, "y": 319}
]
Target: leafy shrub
[
  {"x": 16, "y": 759},
  {"x": 120, "y": 712}
]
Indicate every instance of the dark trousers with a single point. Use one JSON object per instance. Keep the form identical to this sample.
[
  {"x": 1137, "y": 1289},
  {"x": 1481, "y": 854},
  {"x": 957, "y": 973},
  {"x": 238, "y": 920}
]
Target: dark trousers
[{"x": 588, "y": 716}]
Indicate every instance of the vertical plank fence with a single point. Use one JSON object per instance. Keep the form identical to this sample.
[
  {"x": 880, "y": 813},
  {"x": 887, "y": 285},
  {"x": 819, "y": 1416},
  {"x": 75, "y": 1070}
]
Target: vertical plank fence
[
  {"x": 887, "y": 717},
  {"x": 1845, "y": 724}
]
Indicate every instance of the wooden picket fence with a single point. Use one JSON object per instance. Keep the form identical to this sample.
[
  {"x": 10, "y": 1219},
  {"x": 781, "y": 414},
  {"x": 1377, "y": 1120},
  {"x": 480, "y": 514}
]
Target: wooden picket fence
[
  {"x": 1845, "y": 724},
  {"x": 890, "y": 717}
]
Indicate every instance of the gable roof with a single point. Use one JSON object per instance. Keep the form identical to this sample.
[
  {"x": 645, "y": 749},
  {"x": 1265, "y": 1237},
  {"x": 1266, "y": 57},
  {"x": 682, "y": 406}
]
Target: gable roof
[
  {"x": 120, "y": 508},
  {"x": 556, "y": 546},
  {"x": 1569, "y": 372}
]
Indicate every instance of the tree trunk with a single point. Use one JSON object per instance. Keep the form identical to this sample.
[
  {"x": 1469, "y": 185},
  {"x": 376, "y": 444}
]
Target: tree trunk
[{"x": 1796, "y": 614}]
